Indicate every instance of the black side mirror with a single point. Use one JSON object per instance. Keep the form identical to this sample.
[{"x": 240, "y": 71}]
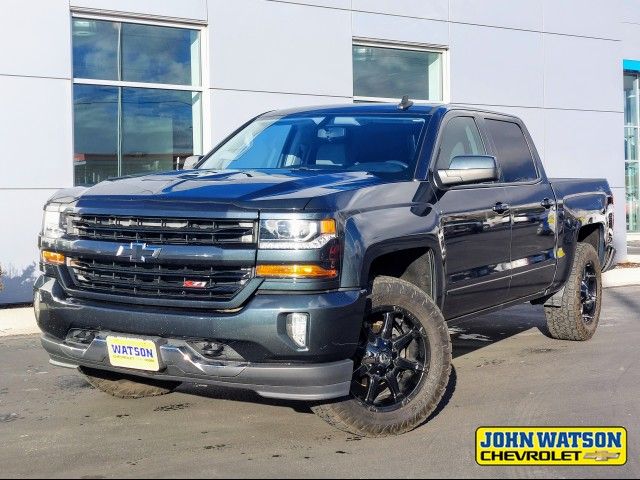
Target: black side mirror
[
  {"x": 190, "y": 162},
  {"x": 468, "y": 169}
]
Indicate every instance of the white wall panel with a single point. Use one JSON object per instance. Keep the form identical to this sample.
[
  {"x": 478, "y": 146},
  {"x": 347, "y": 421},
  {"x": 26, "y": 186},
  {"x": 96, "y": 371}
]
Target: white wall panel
[
  {"x": 630, "y": 41},
  {"x": 231, "y": 109},
  {"x": 500, "y": 13},
  {"x": 585, "y": 145},
  {"x": 582, "y": 73},
  {"x": 630, "y": 10},
  {"x": 19, "y": 241},
  {"x": 434, "y": 9},
  {"x": 400, "y": 29},
  {"x": 345, "y": 4},
  {"x": 35, "y": 133},
  {"x": 35, "y": 38},
  {"x": 186, "y": 9},
  {"x": 495, "y": 66},
  {"x": 280, "y": 47},
  {"x": 591, "y": 18}
]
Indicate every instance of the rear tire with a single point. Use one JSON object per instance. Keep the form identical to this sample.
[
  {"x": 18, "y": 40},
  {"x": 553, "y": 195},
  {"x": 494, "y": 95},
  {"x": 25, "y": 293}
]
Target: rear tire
[
  {"x": 126, "y": 386},
  {"x": 415, "y": 350},
  {"x": 578, "y": 316}
]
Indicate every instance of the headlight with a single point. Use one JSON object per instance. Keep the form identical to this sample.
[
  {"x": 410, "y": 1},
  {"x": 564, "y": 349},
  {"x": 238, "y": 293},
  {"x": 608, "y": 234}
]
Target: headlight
[
  {"x": 296, "y": 234},
  {"x": 51, "y": 225}
]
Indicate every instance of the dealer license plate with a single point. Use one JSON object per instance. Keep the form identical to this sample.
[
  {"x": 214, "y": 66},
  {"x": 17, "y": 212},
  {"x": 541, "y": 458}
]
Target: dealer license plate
[{"x": 133, "y": 353}]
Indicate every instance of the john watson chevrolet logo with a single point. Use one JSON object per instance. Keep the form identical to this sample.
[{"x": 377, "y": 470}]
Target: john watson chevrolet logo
[{"x": 551, "y": 446}]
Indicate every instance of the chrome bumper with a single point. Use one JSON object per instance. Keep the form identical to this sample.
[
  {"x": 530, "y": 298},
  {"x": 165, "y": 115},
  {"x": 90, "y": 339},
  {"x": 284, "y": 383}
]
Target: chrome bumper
[{"x": 180, "y": 362}]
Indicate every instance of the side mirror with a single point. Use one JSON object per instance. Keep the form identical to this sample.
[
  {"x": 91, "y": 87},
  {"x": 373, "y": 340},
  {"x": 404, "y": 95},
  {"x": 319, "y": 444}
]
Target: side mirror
[
  {"x": 468, "y": 169},
  {"x": 190, "y": 162}
]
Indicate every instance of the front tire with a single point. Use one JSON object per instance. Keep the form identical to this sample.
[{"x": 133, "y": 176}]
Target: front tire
[
  {"x": 126, "y": 386},
  {"x": 579, "y": 313},
  {"x": 402, "y": 365}
]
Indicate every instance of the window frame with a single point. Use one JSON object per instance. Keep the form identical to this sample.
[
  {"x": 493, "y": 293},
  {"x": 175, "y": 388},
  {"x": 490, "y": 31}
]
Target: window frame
[
  {"x": 480, "y": 116},
  {"x": 200, "y": 88},
  {"x": 415, "y": 47}
]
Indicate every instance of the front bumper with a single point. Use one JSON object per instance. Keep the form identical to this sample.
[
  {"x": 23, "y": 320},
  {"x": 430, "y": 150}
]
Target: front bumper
[{"x": 269, "y": 362}]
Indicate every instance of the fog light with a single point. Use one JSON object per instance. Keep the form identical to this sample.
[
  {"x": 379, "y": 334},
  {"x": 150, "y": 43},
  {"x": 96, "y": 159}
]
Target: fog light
[{"x": 297, "y": 326}]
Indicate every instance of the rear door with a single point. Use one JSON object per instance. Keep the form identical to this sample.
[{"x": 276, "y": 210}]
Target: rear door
[
  {"x": 532, "y": 205},
  {"x": 476, "y": 232}
]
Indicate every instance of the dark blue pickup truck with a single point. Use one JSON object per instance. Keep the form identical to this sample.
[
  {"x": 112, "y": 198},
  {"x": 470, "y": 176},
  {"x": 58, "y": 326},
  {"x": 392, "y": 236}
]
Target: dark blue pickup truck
[{"x": 318, "y": 254}]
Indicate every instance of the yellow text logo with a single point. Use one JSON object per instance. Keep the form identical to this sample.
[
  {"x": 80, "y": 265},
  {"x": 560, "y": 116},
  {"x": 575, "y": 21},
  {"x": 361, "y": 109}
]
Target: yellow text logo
[{"x": 551, "y": 446}]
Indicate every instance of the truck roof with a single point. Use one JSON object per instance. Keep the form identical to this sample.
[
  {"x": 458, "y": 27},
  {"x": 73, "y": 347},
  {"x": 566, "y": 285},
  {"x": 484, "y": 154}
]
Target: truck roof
[{"x": 378, "y": 108}]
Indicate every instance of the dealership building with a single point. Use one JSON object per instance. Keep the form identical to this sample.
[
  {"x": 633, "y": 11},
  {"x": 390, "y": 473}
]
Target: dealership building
[{"x": 92, "y": 89}]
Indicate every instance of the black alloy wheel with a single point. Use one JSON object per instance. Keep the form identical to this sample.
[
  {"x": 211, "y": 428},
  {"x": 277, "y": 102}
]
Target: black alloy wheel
[{"x": 393, "y": 359}]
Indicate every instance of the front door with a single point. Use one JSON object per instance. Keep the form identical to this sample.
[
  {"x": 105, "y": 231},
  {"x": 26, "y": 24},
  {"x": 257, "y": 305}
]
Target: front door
[
  {"x": 475, "y": 226},
  {"x": 477, "y": 237}
]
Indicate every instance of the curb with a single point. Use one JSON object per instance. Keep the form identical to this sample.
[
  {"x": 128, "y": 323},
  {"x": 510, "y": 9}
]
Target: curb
[
  {"x": 18, "y": 321},
  {"x": 22, "y": 321},
  {"x": 621, "y": 277}
]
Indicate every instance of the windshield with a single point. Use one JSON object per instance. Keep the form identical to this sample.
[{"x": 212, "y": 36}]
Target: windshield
[{"x": 385, "y": 145}]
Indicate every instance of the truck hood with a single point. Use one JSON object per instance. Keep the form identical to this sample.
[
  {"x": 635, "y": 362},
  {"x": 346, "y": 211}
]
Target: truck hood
[{"x": 288, "y": 189}]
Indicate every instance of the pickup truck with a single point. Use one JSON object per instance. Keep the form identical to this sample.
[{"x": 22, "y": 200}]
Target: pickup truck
[{"x": 319, "y": 254}]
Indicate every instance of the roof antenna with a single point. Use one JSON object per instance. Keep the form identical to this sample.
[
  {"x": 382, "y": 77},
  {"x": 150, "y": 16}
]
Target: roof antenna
[{"x": 405, "y": 103}]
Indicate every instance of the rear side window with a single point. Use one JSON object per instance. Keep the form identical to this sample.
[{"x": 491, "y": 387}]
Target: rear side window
[
  {"x": 459, "y": 137},
  {"x": 512, "y": 151}
]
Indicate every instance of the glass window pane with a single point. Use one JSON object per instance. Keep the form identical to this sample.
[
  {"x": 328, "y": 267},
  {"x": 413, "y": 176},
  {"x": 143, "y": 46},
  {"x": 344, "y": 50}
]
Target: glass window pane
[
  {"x": 633, "y": 196},
  {"x": 513, "y": 153},
  {"x": 160, "y": 54},
  {"x": 630, "y": 100},
  {"x": 631, "y": 143},
  {"x": 392, "y": 73},
  {"x": 95, "y": 115},
  {"x": 157, "y": 128},
  {"x": 95, "y": 49},
  {"x": 459, "y": 137}
]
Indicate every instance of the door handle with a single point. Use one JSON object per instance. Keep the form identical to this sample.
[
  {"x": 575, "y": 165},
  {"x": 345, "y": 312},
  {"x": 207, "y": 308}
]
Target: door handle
[
  {"x": 546, "y": 203},
  {"x": 501, "y": 207}
]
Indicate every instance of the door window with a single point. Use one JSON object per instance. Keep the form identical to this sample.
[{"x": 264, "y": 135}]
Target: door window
[
  {"x": 459, "y": 137},
  {"x": 512, "y": 151}
]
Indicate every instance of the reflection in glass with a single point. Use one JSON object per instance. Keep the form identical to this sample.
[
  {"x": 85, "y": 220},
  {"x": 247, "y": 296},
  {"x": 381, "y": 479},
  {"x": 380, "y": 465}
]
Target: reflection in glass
[
  {"x": 631, "y": 143},
  {"x": 632, "y": 165},
  {"x": 392, "y": 73},
  {"x": 155, "y": 54},
  {"x": 157, "y": 128},
  {"x": 95, "y": 115},
  {"x": 95, "y": 49},
  {"x": 630, "y": 100},
  {"x": 633, "y": 196}
]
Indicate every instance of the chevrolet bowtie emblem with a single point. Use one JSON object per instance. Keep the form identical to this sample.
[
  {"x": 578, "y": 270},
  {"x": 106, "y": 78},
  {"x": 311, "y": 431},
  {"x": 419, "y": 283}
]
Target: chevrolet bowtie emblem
[
  {"x": 601, "y": 456},
  {"x": 138, "y": 252}
]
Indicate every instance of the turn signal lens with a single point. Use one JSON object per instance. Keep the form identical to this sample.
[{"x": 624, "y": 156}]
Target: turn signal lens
[
  {"x": 295, "y": 271},
  {"x": 328, "y": 227},
  {"x": 52, "y": 257}
]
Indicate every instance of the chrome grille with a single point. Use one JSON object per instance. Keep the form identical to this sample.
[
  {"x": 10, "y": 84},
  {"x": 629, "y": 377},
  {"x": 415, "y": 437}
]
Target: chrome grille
[
  {"x": 161, "y": 231},
  {"x": 215, "y": 283}
]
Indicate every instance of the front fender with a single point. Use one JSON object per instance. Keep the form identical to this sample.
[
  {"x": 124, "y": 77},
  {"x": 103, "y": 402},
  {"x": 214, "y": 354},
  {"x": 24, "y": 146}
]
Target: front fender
[{"x": 370, "y": 234}]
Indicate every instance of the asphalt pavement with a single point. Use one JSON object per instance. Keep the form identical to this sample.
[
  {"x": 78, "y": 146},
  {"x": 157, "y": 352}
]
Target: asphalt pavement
[{"x": 506, "y": 372}]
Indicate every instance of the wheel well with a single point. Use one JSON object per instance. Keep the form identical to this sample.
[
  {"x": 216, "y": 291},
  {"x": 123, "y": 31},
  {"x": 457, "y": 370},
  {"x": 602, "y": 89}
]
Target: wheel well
[
  {"x": 592, "y": 233},
  {"x": 413, "y": 265}
]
